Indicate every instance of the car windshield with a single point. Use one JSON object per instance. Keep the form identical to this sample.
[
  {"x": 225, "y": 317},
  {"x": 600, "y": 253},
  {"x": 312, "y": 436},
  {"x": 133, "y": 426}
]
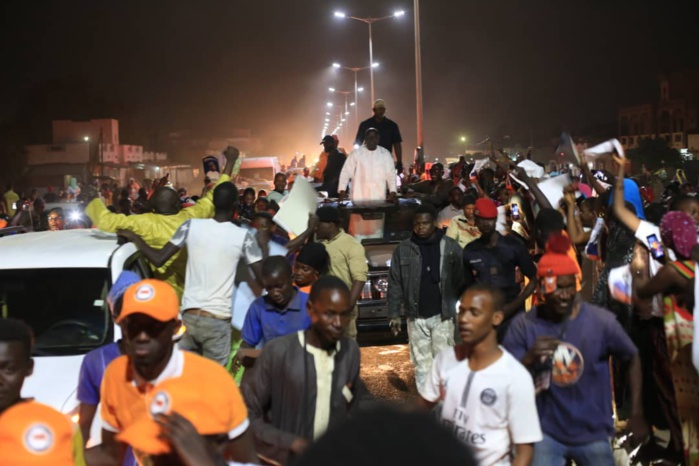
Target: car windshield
[
  {"x": 397, "y": 220},
  {"x": 66, "y": 308}
]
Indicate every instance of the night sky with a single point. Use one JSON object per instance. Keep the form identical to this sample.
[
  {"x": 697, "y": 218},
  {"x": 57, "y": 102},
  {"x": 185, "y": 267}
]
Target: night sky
[{"x": 489, "y": 67}]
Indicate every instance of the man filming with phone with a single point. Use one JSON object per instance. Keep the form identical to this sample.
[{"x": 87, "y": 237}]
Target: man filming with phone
[{"x": 566, "y": 344}]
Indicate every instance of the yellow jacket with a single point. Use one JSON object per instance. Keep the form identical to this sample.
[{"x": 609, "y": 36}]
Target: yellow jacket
[{"x": 156, "y": 230}]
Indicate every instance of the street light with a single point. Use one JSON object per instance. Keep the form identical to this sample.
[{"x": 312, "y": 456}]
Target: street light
[
  {"x": 345, "y": 93},
  {"x": 356, "y": 89},
  {"x": 369, "y": 21}
]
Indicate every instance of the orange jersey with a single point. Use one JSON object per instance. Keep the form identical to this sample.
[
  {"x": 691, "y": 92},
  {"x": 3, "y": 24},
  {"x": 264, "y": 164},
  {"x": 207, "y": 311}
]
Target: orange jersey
[{"x": 124, "y": 401}]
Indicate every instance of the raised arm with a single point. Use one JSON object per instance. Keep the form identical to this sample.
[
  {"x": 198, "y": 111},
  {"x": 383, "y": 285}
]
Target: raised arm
[
  {"x": 157, "y": 257},
  {"x": 574, "y": 227},
  {"x": 619, "y": 208},
  {"x": 295, "y": 244},
  {"x": 594, "y": 182},
  {"x": 539, "y": 197},
  {"x": 204, "y": 208}
]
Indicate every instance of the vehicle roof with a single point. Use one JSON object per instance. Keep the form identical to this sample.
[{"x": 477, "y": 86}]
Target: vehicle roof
[
  {"x": 57, "y": 249},
  {"x": 259, "y": 162}
]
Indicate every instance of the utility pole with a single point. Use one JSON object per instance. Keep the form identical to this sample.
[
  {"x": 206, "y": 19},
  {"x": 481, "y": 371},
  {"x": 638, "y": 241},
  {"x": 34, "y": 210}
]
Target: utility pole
[{"x": 420, "y": 156}]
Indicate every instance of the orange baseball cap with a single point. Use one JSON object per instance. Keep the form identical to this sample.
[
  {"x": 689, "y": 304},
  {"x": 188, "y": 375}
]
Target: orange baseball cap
[
  {"x": 155, "y": 298},
  {"x": 208, "y": 414},
  {"x": 35, "y": 434}
]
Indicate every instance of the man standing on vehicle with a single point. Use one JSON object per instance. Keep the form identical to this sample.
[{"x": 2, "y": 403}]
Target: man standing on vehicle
[
  {"x": 347, "y": 258},
  {"x": 158, "y": 227},
  {"x": 425, "y": 278},
  {"x": 335, "y": 160},
  {"x": 390, "y": 138},
  {"x": 371, "y": 170}
]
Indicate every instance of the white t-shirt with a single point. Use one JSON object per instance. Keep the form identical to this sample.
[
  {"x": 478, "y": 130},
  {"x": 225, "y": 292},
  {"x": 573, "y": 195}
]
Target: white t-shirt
[
  {"x": 243, "y": 296},
  {"x": 213, "y": 252},
  {"x": 490, "y": 410}
]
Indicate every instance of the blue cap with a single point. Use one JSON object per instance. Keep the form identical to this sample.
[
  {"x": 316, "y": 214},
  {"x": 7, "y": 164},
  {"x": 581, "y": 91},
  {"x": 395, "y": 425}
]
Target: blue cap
[{"x": 125, "y": 280}]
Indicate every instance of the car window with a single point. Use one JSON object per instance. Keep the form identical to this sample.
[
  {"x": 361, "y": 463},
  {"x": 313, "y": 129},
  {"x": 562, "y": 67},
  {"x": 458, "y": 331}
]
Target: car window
[{"x": 66, "y": 308}]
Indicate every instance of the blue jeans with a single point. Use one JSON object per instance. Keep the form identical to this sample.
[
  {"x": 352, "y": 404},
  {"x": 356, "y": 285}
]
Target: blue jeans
[
  {"x": 550, "y": 452},
  {"x": 207, "y": 336}
]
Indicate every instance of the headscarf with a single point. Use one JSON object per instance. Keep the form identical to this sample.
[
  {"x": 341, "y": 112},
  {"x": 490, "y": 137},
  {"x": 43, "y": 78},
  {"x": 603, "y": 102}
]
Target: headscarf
[
  {"x": 678, "y": 232},
  {"x": 633, "y": 196}
]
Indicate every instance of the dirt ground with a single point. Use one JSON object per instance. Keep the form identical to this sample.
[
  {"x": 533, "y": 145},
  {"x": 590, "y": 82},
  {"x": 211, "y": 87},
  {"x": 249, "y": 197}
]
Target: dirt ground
[{"x": 388, "y": 373}]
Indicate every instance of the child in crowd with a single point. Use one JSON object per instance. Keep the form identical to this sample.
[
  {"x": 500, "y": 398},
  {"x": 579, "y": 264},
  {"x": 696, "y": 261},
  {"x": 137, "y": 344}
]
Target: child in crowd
[
  {"x": 279, "y": 312},
  {"x": 311, "y": 262}
]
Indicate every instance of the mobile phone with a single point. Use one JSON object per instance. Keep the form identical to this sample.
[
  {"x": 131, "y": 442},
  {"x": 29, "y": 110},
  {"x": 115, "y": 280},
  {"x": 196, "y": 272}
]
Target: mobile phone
[
  {"x": 210, "y": 164},
  {"x": 515, "y": 212},
  {"x": 655, "y": 247},
  {"x": 14, "y": 206}
]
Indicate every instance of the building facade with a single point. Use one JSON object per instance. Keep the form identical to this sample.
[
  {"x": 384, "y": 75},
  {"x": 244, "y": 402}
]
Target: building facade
[{"x": 674, "y": 117}]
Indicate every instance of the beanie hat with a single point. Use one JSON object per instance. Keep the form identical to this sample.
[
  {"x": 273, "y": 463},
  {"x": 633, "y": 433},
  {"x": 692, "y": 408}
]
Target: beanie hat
[
  {"x": 556, "y": 262},
  {"x": 314, "y": 255}
]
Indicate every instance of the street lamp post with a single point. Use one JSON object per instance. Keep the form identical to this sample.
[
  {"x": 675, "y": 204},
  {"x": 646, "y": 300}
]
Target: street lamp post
[
  {"x": 369, "y": 21},
  {"x": 346, "y": 113},
  {"x": 418, "y": 78}
]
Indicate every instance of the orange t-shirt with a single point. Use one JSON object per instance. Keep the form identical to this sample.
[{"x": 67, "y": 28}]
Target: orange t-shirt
[{"x": 123, "y": 402}]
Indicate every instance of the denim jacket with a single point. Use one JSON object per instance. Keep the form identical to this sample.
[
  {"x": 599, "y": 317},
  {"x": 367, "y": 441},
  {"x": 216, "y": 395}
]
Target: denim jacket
[{"x": 404, "y": 278}]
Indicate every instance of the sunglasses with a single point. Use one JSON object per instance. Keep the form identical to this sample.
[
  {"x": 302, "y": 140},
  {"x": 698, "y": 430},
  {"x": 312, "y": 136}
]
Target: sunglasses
[{"x": 153, "y": 328}]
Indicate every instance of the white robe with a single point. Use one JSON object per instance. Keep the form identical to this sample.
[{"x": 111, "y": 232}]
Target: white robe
[{"x": 372, "y": 173}]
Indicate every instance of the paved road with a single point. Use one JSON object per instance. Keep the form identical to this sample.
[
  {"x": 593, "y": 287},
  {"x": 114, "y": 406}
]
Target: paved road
[{"x": 386, "y": 367}]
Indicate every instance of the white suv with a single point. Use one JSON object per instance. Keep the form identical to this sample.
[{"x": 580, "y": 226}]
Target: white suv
[{"x": 57, "y": 282}]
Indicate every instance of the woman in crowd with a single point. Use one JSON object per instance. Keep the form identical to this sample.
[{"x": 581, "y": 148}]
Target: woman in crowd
[{"x": 675, "y": 282}]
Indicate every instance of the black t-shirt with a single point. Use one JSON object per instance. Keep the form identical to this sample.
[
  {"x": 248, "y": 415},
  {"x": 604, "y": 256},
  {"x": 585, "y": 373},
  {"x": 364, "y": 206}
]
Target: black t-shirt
[
  {"x": 389, "y": 133},
  {"x": 331, "y": 175},
  {"x": 496, "y": 265}
]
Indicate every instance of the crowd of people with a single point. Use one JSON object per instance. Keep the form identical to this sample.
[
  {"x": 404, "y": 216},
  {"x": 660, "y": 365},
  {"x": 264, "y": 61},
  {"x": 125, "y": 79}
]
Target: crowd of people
[{"x": 539, "y": 330}]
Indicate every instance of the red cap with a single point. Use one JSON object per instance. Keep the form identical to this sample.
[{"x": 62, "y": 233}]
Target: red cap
[
  {"x": 556, "y": 262},
  {"x": 485, "y": 208}
]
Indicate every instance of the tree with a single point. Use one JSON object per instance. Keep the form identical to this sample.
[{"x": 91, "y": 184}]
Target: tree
[{"x": 655, "y": 154}]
